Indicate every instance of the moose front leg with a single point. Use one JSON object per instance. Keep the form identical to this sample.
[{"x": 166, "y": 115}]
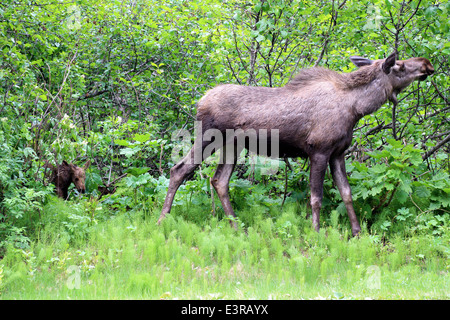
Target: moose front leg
[
  {"x": 178, "y": 174},
  {"x": 319, "y": 164},
  {"x": 337, "y": 166}
]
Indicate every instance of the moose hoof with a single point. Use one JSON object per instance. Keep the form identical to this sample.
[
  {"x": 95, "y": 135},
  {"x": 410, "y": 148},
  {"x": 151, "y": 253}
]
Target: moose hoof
[
  {"x": 161, "y": 218},
  {"x": 356, "y": 232}
]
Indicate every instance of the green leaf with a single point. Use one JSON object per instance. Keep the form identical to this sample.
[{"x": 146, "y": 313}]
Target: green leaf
[
  {"x": 389, "y": 186},
  {"x": 136, "y": 171},
  {"x": 260, "y": 38},
  {"x": 379, "y": 168},
  {"x": 128, "y": 152},
  {"x": 422, "y": 192},
  {"x": 445, "y": 201},
  {"x": 141, "y": 137},
  {"x": 93, "y": 180},
  {"x": 385, "y": 225},
  {"x": 375, "y": 190},
  {"x": 398, "y": 164},
  {"x": 341, "y": 209},
  {"x": 434, "y": 206},
  {"x": 406, "y": 184},
  {"x": 388, "y": 4},
  {"x": 401, "y": 196},
  {"x": 121, "y": 142},
  {"x": 431, "y": 11}
]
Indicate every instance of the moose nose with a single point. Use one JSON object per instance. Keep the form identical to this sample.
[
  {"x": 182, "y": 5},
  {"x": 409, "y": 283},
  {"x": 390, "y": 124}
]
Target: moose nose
[{"x": 430, "y": 70}]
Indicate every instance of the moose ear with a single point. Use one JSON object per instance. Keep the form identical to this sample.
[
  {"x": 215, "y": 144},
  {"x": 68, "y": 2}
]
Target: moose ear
[
  {"x": 87, "y": 164},
  {"x": 389, "y": 63},
  {"x": 68, "y": 165},
  {"x": 360, "y": 61}
]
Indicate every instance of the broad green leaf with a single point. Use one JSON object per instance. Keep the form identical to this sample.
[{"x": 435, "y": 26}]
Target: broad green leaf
[
  {"x": 401, "y": 196},
  {"x": 141, "y": 137},
  {"x": 121, "y": 142},
  {"x": 129, "y": 152},
  {"x": 422, "y": 192}
]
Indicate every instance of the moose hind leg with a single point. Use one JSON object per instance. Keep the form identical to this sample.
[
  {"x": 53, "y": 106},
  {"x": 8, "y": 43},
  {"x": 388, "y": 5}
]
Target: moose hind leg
[
  {"x": 221, "y": 181},
  {"x": 337, "y": 166}
]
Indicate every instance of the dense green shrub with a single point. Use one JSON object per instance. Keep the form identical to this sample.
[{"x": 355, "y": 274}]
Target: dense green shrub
[{"x": 113, "y": 81}]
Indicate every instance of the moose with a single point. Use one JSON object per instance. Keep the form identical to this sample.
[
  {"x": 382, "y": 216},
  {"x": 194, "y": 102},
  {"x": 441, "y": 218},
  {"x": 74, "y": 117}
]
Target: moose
[
  {"x": 314, "y": 115},
  {"x": 62, "y": 175}
]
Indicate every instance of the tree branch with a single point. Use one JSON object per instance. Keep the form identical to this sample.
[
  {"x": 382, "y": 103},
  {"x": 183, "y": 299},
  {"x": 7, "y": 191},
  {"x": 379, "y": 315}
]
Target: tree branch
[{"x": 436, "y": 148}]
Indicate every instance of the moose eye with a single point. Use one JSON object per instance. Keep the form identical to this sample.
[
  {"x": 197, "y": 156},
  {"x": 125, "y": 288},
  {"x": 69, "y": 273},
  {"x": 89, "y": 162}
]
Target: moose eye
[{"x": 401, "y": 67}]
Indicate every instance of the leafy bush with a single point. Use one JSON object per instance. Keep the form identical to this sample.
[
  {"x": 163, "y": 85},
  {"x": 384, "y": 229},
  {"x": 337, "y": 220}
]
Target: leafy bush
[
  {"x": 22, "y": 192},
  {"x": 112, "y": 82}
]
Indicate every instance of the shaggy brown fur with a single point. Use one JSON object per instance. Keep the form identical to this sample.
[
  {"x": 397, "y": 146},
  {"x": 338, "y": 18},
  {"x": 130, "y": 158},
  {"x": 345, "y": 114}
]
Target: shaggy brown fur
[
  {"x": 64, "y": 174},
  {"x": 359, "y": 77}
]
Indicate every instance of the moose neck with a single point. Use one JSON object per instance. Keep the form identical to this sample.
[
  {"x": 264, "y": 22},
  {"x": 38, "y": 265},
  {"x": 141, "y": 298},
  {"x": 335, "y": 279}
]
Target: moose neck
[{"x": 371, "y": 96}]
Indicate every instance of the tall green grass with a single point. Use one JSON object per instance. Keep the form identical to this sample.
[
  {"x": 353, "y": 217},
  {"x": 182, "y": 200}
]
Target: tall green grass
[{"x": 275, "y": 256}]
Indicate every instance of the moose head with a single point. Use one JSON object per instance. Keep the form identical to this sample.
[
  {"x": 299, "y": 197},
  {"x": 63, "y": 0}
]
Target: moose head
[{"x": 66, "y": 173}]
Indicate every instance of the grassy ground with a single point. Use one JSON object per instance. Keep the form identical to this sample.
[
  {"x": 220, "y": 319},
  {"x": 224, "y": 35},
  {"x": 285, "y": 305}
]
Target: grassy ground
[{"x": 130, "y": 257}]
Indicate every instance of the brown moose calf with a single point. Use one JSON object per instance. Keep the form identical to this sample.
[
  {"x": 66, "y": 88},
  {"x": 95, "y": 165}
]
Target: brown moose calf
[{"x": 64, "y": 174}]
